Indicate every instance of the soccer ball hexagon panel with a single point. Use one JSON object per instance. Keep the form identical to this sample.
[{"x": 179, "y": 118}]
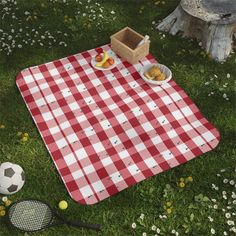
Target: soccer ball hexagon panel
[{"x": 12, "y": 178}]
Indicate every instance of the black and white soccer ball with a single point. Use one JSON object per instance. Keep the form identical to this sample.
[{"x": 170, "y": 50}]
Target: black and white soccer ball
[{"x": 12, "y": 178}]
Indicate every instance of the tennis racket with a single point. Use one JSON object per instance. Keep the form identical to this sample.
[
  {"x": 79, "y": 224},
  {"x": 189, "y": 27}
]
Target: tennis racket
[{"x": 34, "y": 215}]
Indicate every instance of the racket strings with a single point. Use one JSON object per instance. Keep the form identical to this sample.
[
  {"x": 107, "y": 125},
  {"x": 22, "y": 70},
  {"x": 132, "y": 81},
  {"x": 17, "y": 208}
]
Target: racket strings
[{"x": 30, "y": 215}]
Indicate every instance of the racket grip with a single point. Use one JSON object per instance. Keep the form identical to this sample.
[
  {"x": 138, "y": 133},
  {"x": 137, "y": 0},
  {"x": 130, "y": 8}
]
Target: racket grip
[{"x": 85, "y": 225}]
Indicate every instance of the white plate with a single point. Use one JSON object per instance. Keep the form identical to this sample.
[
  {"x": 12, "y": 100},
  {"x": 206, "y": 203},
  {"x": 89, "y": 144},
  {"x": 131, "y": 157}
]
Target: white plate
[
  {"x": 164, "y": 69},
  {"x": 94, "y": 62}
]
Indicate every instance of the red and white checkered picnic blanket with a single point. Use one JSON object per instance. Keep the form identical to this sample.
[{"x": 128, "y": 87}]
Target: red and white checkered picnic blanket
[{"x": 108, "y": 130}]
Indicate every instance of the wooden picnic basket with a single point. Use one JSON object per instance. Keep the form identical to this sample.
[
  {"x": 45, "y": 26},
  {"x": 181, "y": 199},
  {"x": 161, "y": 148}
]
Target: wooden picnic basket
[{"x": 125, "y": 44}]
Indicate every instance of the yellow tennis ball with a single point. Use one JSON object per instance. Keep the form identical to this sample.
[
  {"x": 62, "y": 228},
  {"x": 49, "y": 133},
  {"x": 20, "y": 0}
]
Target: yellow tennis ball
[{"x": 63, "y": 205}]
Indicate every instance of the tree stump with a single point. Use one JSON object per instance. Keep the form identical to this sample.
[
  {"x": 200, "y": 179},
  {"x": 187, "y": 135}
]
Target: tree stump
[{"x": 212, "y": 22}]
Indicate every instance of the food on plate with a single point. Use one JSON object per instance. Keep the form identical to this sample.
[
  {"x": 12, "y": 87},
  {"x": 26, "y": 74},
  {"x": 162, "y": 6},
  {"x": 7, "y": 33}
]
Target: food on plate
[
  {"x": 105, "y": 65},
  {"x": 98, "y": 58},
  {"x": 104, "y": 61},
  {"x": 147, "y": 75},
  {"x": 160, "y": 77},
  {"x": 154, "y": 73},
  {"x": 111, "y": 61}
]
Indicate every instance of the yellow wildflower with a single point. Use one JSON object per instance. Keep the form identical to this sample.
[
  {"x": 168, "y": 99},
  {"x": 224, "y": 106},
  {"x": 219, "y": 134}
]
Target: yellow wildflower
[
  {"x": 2, "y": 208},
  {"x": 181, "y": 179},
  {"x": 168, "y": 204},
  {"x": 182, "y": 184},
  {"x": 168, "y": 210},
  {"x": 190, "y": 179},
  {"x": 19, "y": 133},
  {"x": 26, "y": 135},
  {"x": 24, "y": 139},
  {"x": 7, "y": 203},
  {"x": 2, "y": 126},
  {"x": 2, "y": 213}
]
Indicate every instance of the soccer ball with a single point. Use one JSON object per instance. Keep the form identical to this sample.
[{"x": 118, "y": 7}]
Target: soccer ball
[{"x": 12, "y": 178}]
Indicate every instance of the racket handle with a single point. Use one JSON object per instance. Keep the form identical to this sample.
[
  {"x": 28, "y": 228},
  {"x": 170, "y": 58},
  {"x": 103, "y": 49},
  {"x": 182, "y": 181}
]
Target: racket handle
[{"x": 84, "y": 225}]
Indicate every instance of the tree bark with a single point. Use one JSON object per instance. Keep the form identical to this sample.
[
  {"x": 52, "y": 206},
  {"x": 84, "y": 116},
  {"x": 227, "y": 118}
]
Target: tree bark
[{"x": 195, "y": 19}]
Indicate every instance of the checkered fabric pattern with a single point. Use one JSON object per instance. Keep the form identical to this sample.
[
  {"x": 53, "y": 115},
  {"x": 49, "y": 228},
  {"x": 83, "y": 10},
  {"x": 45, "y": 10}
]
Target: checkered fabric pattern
[{"x": 108, "y": 130}]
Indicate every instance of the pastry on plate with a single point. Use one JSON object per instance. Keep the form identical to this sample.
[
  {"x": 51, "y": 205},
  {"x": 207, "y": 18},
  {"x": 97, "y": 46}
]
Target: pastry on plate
[{"x": 154, "y": 73}]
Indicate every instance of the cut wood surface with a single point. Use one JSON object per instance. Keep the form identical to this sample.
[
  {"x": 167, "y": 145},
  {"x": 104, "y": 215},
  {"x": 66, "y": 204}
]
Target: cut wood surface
[{"x": 212, "y": 22}]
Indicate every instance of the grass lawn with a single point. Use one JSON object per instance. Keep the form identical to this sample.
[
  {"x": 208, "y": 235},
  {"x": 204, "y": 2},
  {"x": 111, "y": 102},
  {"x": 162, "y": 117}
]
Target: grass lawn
[{"x": 68, "y": 27}]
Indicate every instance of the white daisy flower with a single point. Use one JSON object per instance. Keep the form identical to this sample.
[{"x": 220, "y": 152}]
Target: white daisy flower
[
  {"x": 225, "y": 181},
  {"x": 141, "y": 216},
  {"x": 173, "y": 231},
  {"x": 144, "y": 234},
  {"x": 225, "y": 233},
  {"x": 158, "y": 230},
  {"x": 215, "y": 206},
  {"x": 4, "y": 199},
  {"x": 230, "y": 222},
  {"x": 210, "y": 219},
  {"x": 112, "y": 12},
  {"x": 231, "y": 182},
  {"x": 213, "y": 200},
  {"x": 133, "y": 225},
  {"x": 227, "y": 215},
  {"x": 154, "y": 228},
  {"x": 224, "y": 192},
  {"x": 228, "y": 75},
  {"x": 177, "y": 233},
  {"x": 213, "y": 231}
]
